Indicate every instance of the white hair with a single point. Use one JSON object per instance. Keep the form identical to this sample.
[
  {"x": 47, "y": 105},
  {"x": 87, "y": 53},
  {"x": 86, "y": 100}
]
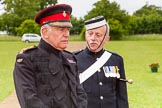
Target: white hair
[
  {"x": 108, "y": 29},
  {"x": 45, "y": 26}
]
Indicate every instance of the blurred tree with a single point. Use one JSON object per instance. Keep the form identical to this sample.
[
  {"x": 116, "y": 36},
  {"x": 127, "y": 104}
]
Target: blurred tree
[
  {"x": 132, "y": 25},
  {"x": 148, "y": 20},
  {"x": 116, "y": 29},
  {"x": 107, "y": 9},
  {"x": 45, "y": 3},
  {"x": 10, "y": 21},
  {"x": 82, "y": 34},
  {"x": 28, "y": 26},
  {"x": 78, "y": 24},
  {"x": 17, "y": 11},
  {"x": 111, "y": 11},
  {"x": 147, "y": 10}
]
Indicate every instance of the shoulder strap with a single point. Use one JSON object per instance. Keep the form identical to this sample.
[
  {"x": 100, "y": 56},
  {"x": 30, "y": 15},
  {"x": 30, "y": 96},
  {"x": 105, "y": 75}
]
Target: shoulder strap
[
  {"x": 94, "y": 67},
  {"x": 27, "y": 49}
]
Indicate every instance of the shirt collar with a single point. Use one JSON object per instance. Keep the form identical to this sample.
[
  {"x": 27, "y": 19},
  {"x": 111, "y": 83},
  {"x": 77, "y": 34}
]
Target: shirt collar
[
  {"x": 95, "y": 54},
  {"x": 47, "y": 47}
]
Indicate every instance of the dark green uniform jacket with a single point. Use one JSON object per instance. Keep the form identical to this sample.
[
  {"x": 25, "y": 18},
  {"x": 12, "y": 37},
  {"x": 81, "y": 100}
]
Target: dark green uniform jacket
[
  {"x": 47, "y": 78},
  {"x": 103, "y": 91}
]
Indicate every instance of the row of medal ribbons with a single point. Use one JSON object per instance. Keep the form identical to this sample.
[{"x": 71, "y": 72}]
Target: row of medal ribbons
[{"x": 111, "y": 71}]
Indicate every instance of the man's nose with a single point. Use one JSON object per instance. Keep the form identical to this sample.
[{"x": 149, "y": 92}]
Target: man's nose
[{"x": 93, "y": 36}]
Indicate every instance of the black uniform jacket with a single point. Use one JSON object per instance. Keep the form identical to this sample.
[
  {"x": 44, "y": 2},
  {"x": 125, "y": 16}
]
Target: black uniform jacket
[
  {"x": 102, "y": 91},
  {"x": 47, "y": 78}
]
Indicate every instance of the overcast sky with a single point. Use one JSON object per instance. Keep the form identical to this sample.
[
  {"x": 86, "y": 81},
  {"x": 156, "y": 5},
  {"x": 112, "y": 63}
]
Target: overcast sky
[{"x": 81, "y": 7}]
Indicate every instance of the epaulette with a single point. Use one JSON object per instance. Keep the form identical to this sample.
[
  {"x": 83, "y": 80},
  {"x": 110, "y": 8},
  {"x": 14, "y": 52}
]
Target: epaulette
[
  {"x": 27, "y": 49},
  {"x": 113, "y": 53},
  {"x": 77, "y": 52}
]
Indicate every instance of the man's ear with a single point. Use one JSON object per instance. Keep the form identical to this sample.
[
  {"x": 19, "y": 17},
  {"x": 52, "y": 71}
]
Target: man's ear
[
  {"x": 45, "y": 32},
  {"x": 107, "y": 39}
]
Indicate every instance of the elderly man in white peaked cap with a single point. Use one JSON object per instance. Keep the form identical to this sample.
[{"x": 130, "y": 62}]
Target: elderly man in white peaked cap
[{"x": 101, "y": 71}]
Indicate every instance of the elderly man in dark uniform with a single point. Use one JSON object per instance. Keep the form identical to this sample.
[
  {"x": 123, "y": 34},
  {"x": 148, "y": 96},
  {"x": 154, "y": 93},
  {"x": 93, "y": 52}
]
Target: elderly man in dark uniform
[
  {"x": 46, "y": 75},
  {"x": 101, "y": 72}
]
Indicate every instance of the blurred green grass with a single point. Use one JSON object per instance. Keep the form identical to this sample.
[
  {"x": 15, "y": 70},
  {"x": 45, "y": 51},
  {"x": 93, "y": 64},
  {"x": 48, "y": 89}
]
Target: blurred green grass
[
  {"x": 144, "y": 37},
  {"x": 9, "y": 38},
  {"x": 8, "y": 52},
  {"x": 146, "y": 90}
]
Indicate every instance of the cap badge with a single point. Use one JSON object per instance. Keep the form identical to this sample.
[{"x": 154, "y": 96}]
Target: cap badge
[{"x": 64, "y": 13}]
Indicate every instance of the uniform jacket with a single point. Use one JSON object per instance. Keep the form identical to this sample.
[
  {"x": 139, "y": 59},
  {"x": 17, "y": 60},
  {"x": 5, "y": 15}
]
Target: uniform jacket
[
  {"x": 102, "y": 91},
  {"x": 47, "y": 78}
]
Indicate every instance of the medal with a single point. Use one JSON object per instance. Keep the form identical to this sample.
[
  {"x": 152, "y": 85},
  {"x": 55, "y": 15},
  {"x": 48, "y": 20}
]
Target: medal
[
  {"x": 106, "y": 71},
  {"x": 111, "y": 71}
]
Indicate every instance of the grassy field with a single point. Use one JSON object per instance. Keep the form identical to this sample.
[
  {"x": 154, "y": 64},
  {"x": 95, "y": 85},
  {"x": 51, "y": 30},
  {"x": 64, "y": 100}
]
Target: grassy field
[
  {"x": 146, "y": 92},
  {"x": 9, "y": 38},
  {"x": 8, "y": 52}
]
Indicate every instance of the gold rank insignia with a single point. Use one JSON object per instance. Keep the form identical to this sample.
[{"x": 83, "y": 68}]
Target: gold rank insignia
[
  {"x": 19, "y": 60},
  {"x": 25, "y": 49}
]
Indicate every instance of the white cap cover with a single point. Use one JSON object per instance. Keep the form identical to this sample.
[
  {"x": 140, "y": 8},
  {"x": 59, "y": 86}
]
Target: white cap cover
[{"x": 95, "y": 22}]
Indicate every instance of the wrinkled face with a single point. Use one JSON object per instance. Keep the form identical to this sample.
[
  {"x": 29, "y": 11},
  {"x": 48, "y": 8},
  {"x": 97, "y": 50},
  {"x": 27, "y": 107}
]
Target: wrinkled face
[
  {"x": 94, "y": 38},
  {"x": 57, "y": 37}
]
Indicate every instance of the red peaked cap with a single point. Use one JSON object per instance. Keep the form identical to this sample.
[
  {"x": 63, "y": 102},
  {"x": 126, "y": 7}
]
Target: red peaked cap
[{"x": 57, "y": 15}]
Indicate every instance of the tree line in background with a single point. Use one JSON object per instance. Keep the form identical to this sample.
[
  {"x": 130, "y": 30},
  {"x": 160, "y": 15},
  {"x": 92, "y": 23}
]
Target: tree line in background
[{"x": 19, "y": 15}]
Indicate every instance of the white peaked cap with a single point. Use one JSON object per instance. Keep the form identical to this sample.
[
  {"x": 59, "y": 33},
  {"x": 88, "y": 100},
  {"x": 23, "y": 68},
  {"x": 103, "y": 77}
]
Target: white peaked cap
[{"x": 95, "y": 22}]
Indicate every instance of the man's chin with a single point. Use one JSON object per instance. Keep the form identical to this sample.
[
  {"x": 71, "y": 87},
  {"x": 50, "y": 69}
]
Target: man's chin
[{"x": 63, "y": 47}]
